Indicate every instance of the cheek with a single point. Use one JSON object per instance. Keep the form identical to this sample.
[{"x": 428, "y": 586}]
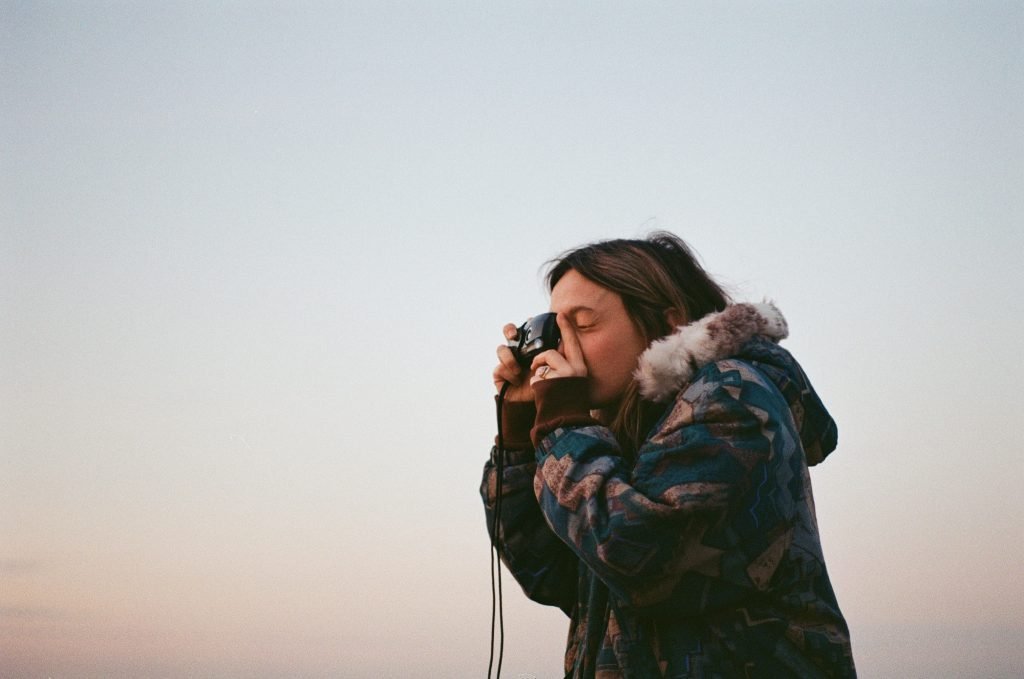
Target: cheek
[
  {"x": 594, "y": 354},
  {"x": 608, "y": 361}
]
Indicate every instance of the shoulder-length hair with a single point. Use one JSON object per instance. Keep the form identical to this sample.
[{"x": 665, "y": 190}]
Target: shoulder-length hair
[{"x": 660, "y": 281}]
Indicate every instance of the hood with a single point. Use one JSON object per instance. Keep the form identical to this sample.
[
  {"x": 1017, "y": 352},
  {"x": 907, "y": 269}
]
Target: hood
[{"x": 749, "y": 332}]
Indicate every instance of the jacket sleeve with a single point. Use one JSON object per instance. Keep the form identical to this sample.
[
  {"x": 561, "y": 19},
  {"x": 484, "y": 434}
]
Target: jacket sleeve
[
  {"x": 543, "y": 565},
  {"x": 664, "y": 531}
]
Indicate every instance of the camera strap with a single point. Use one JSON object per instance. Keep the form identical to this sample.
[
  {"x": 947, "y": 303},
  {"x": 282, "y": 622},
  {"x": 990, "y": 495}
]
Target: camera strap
[{"x": 496, "y": 603}]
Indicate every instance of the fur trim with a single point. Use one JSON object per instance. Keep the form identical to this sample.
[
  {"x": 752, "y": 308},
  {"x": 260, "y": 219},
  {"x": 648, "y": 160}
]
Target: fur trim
[{"x": 670, "y": 362}]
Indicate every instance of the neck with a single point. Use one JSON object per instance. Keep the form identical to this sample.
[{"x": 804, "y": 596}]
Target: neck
[{"x": 606, "y": 414}]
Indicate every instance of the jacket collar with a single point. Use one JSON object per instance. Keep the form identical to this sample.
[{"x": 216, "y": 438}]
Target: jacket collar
[{"x": 670, "y": 362}]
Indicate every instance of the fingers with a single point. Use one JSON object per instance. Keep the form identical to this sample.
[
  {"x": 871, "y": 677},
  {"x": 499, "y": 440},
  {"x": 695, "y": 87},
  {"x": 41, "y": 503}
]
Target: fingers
[
  {"x": 509, "y": 372},
  {"x": 566, "y": 361},
  {"x": 571, "y": 345},
  {"x": 553, "y": 360},
  {"x": 508, "y": 369},
  {"x": 543, "y": 372},
  {"x": 552, "y": 364}
]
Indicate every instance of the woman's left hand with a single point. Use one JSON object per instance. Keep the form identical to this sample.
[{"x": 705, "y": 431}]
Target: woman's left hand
[{"x": 566, "y": 361}]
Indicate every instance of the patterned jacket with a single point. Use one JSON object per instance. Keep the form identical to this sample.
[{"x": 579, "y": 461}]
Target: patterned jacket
[{"x": 701, "y": 557}]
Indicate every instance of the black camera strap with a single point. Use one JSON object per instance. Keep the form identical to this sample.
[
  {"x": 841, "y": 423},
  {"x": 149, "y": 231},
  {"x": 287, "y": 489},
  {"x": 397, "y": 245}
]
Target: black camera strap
[{"x": 496, "y": 603}]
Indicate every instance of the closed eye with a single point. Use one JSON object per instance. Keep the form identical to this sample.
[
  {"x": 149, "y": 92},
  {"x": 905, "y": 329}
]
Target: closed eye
[{"x": 583, "y": 319}]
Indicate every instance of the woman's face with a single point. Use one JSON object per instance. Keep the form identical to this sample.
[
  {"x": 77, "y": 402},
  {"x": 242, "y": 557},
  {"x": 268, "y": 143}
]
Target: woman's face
[{"x": 610, "y": 342}]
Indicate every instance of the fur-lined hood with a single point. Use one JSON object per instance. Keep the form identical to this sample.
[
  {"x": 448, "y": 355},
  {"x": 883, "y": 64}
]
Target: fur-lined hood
[
  {"x": 749, "y": 332},
  {"x": 669, "y": 363}
]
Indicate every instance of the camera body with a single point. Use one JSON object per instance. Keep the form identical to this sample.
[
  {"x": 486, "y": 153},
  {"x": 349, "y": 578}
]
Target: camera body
[{"x": 536, "y": 335}]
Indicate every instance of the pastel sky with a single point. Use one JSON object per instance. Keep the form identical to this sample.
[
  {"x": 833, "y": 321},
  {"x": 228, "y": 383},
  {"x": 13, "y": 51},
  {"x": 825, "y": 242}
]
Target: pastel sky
[{"x": 255, "y": 258}]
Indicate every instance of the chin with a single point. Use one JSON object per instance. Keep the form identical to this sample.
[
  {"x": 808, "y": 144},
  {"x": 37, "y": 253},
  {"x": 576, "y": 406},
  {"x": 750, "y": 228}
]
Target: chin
[{"x": 600, "y": 401}]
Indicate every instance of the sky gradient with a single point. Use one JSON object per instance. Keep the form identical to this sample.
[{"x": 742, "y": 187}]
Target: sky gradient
[{"x": 255, "y": 259}]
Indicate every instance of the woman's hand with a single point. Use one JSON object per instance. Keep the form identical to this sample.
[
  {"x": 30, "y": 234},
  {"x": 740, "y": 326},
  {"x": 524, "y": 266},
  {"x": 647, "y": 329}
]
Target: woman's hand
[
  {"x": 566, "y": 361},
  {"x": 509, "y": 370}
]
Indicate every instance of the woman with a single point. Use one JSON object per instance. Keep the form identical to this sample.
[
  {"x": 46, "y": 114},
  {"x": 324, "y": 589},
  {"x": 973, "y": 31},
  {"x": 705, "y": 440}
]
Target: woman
[{"x": 656, "y": 485}]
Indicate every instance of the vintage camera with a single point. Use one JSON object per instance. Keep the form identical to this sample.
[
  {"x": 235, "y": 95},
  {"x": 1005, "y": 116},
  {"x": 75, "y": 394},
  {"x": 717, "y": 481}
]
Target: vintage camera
[{"x": 536, "y": 335}]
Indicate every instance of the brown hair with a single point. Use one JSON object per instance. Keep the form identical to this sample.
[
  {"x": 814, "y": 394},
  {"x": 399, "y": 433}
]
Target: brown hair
[{"x": 652, "y": 276}]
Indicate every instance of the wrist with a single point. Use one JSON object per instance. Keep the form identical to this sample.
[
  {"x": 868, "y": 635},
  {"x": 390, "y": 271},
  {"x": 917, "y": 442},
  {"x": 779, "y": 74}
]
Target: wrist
[
  {"x": 517, "y": 418},
  {"x": 561, "y": 402}
]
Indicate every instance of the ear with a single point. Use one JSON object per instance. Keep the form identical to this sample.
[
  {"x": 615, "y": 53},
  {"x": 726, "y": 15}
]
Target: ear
[{"x": 675, "y": 317}]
